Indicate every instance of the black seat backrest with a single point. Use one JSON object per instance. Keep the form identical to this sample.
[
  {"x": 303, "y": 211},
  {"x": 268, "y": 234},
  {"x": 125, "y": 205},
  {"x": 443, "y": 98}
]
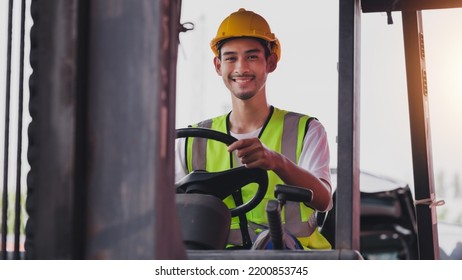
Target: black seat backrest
[{"x": 205, "y": 221}]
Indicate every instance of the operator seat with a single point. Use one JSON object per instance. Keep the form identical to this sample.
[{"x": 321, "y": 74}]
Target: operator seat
[{"x": 204, "y": 221}]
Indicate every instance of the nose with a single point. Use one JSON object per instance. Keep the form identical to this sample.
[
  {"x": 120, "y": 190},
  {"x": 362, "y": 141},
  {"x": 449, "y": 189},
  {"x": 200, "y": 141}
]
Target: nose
[{"x": 242, "y": 66}]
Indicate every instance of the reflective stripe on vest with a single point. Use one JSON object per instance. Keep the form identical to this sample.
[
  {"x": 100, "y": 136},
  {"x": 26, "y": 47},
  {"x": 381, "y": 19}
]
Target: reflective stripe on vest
[
  {"x": 200, "y": 144},
  {"x": 283, "y": 133}
]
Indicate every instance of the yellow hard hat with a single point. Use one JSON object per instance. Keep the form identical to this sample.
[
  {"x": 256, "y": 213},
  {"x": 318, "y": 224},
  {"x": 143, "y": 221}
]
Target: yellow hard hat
[{"x": 245, "y": 24}]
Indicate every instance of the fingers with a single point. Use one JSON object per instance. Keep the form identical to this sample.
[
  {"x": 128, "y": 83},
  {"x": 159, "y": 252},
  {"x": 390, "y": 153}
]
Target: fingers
[
  {"x": 244, "y": 146},
  {"x": 240, "y": 144},
  {"x": 251, "y": 152}
]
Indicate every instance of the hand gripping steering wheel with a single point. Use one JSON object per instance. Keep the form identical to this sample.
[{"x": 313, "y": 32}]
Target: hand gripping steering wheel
[{"x": 225, "y": 183}]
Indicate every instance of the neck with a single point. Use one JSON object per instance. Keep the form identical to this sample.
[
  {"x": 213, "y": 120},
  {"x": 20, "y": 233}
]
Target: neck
[{"x": 248, "y": 116}]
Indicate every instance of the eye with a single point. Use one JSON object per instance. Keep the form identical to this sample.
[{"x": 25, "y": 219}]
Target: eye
[
  {"x": 252, "y": 57},
  {"x": 229, "y": 59}
]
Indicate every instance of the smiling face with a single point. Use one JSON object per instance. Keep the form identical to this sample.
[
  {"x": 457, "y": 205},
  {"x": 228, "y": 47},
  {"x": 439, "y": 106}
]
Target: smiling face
[{"x": 244, "y": 67}]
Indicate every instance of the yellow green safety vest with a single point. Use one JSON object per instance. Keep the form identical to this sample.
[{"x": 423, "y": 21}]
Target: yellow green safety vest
[{"x": 283, "y": 132}]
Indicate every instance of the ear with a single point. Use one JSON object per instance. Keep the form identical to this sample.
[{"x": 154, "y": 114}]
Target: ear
[
  {"x": 272, "y": 62},
  {"x": 217, "y": 63}
]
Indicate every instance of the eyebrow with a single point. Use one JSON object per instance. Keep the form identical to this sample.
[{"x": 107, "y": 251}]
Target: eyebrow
[{"x": 246, "y": 52}]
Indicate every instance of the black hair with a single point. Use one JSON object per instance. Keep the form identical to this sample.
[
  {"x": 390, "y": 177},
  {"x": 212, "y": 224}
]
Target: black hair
[{"x": 267, "y": 46}]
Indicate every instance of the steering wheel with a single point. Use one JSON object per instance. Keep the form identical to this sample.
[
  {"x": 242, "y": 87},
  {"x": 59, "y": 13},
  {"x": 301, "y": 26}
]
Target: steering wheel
[{"x": 225, "y": 183}]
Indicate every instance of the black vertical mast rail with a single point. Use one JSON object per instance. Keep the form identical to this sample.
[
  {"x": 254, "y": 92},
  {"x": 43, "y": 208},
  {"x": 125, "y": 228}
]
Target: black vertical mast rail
[
  {"x": 17, "y": 209},
  {"x": 420, "y": 135},
  {"x": 7, "y": 134},
  {"x": 51, "y": 185},
  {"x": 347, "y": 202}
]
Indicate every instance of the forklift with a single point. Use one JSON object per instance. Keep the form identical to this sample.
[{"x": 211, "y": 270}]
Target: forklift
[{"x": 101, "y": 140}]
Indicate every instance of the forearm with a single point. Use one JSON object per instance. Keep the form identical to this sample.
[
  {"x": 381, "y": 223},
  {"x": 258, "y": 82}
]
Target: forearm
[{"x": 292, "y": 174}]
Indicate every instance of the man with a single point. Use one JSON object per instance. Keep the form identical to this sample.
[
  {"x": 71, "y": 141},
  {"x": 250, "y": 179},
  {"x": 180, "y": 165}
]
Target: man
[{"x": 292, "y": 147}]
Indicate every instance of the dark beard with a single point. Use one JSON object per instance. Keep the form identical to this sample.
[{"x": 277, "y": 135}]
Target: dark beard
[{"x": 245, "y": 96}]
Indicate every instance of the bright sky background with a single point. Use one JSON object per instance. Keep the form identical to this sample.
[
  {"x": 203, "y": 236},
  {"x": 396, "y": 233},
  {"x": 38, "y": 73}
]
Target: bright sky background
[{"x": 306, "y": 79}]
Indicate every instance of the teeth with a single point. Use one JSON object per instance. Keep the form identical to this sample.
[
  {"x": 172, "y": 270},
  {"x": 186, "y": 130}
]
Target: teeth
[{"x": 242, "y": 80}]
